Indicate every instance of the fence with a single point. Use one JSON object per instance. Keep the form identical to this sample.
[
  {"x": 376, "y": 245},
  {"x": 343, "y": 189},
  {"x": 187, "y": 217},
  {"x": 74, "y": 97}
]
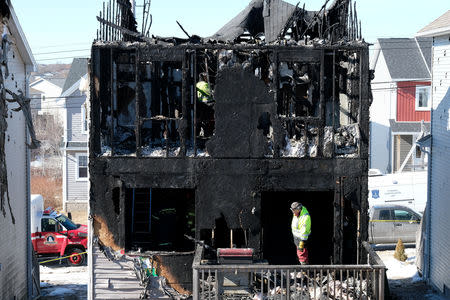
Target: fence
[{"x": 262, "y": 281}]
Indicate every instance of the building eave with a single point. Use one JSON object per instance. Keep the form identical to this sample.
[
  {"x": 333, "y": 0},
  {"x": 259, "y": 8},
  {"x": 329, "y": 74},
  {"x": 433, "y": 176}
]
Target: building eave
[
  {"x": 410, "y": 79},
  {"x": 434, "y": 32},
  {"x": 73, "y": 88},
  {"x": 21, "y": 42}
]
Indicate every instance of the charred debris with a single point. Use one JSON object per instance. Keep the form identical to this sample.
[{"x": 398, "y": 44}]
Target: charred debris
[{"x": 288, "y": 121}]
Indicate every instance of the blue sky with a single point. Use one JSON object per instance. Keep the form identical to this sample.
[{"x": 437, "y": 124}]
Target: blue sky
[{"x": 55, "y": 28}]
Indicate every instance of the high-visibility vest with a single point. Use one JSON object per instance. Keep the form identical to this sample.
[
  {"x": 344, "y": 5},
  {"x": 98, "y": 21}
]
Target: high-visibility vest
[
  {"x": 301, "y": 225},
  {"x": 204, "y": 92}
]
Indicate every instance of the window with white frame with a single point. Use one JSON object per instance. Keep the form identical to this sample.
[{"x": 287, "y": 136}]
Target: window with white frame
[
  {"x": 82, "y": 166},
  {"x": 423, "y": 97}
]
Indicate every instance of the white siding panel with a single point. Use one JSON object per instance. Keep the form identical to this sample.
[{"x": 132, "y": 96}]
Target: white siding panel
[
  {"x": 77, "y": 190},
  {"x": 13, "y": 237},
  {"x": 440, "y": 182},
  {"x": 381, "y": 110}
]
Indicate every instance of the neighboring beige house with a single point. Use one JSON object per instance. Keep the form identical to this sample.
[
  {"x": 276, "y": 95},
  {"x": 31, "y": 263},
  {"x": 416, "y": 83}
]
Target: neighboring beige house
[
  {"x": 44, "y": 94},
  {"x": 16, "y": 280},
  {"x": 436, "y": 252}
]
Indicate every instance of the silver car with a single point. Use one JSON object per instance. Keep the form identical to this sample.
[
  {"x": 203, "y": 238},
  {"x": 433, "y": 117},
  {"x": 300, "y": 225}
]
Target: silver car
[{"x": 388, "y": 223}]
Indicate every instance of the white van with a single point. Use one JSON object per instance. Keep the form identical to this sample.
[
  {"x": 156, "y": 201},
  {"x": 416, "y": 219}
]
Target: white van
[{"x": 406, "y": 188}]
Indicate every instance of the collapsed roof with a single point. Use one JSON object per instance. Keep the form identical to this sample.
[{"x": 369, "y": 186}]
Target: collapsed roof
[
  {"x": 274, "y": 18},
  {"x": 261, "y": 22}
]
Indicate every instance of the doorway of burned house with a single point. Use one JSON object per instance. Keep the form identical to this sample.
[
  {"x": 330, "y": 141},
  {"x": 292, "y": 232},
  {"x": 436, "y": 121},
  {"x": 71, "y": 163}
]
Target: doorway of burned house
[
  {"x": 159, "y": 219},
  {"x": 277, "y": 242}
]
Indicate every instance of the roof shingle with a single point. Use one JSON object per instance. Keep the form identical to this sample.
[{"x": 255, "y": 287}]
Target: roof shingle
[{"x": 407, "y": 58}]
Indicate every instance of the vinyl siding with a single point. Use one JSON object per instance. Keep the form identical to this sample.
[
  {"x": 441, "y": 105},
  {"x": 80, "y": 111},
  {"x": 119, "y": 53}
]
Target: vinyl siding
[
  {"x": 13, "y": 237},
  {"x": 440, "y": 187},
  {"x": 402, "y": 146},
  {"x": 77, "y": 190},
  {"x": 75, "y": 131},
  {"x": 406, "y": 102},
  {"x": 381, "y": 110}
]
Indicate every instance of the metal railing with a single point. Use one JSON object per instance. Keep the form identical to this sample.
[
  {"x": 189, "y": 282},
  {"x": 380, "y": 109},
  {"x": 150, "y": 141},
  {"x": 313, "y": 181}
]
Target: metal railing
[{"x": 266, "y": 282}]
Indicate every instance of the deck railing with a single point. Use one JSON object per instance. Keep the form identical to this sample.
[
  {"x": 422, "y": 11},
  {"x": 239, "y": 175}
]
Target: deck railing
[{"x": 265, "y": 282}]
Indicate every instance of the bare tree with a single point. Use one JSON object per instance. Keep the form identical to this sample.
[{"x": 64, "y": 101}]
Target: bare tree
[{"x": 49, "y": 131}]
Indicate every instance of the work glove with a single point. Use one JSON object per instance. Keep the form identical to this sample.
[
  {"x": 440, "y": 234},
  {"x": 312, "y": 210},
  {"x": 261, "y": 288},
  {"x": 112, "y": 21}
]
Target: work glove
[{"x": 301, "y": 245}]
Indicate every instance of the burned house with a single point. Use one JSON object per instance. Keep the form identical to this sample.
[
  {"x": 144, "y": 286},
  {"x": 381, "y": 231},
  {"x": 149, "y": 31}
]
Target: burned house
[{"x": 287, "y": 120}]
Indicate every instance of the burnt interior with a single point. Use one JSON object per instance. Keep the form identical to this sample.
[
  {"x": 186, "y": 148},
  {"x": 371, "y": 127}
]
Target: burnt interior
[
  {"x": 159, "y": 219},
  {"x": 149, "y": 102},
  {"x": 278, "y": 246}
]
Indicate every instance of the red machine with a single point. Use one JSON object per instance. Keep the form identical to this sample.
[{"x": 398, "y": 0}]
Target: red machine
[{"x": 53, "y": 234}]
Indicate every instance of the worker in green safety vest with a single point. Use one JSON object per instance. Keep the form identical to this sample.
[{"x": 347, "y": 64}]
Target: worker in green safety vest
[
  {"x": 301, "y": 229},
  {"x": 204, "y": 93}
]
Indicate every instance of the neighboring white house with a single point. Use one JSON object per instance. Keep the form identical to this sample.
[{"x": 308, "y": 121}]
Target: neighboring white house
[
  {"x": 401, "y": 101},
  {"x": 75, "y": 150},
  {"x": 15, "y": 242},
  {"x": 44, "y": 94},
  {"x": 436, "y": 257}
]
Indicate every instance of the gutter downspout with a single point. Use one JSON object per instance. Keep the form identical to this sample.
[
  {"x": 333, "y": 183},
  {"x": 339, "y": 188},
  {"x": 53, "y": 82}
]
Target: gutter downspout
[{"x": 427, "y": 246}]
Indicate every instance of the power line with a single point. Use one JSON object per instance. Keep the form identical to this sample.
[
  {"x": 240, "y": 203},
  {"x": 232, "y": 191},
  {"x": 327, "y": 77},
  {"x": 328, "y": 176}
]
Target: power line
[
  {"x": 64, "y": 51},
  {"x": 56, "y": 58},
  {"x": 64, "y": 45}
]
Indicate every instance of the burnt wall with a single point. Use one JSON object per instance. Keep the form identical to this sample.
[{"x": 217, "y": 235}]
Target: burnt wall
[{"x": 223, "y": 187}]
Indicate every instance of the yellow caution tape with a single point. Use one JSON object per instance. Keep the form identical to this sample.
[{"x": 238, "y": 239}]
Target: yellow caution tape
[{"x": 59, "y": 258}]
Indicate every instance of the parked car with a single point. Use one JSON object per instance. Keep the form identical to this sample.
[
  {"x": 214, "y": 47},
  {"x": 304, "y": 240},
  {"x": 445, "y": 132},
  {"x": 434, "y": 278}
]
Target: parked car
[{"x": 388, "y": 223}]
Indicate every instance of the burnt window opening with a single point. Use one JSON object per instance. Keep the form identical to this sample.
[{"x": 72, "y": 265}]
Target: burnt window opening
[
  {"x": 299, "y": 89},
  {"x": 221, "y": 236},
  {"x": 276, "y": 217},
  {"x": 159, "y": 219},
  {"x": 302, "y": 139},
  {"x": 205, "y": 70},
  {"x": 161, "y": 111}
]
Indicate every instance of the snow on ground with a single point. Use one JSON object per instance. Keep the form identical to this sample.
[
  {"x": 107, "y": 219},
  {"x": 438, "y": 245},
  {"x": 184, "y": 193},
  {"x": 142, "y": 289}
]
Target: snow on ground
[
  {"x": 63, "y": 282},
  {"x": 404, "y": 280}
]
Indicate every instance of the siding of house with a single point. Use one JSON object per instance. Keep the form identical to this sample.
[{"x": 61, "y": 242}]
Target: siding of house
[
  {"x": 13, "y": 237},
  {"x": 402, "y": 146},
  {"x": 440, "y": 166},
  {"x": 406, "y": 101},
  {"x": 77, "y": 190},
  {"x": 74, "y": 118},
  {"x": 51, "y": 104},
  {"x": 381, "y": 110}
]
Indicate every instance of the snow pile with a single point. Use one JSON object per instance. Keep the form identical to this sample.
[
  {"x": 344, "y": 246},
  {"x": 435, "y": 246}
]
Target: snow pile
[
  {"x": 64, "y": 275},
  {"x": 61, "y": 282},
  {"x": 398, "y": 269}
]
